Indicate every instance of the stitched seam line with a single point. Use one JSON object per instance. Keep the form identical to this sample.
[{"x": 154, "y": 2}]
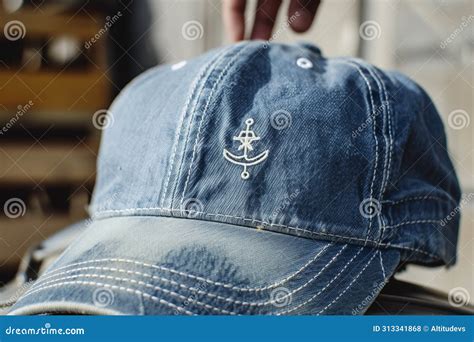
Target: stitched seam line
[
  {"x": 372, "y": 114},
  {"x": 191, "y": 125},
  {"x": 413, "y": 222},
  {"x": 348, "y": 286},
  {"x": 387, "y": 143},
  {"x": 296, "y": 229},
  {"x": 178, "y": 133},
  {"x": 390, "y": 133},
  {"x": 162, "y": 279},
  {"x": 257, "y": 304},
  {"x": 418, "y": 198},
  {"x": 324, "y": 288},
  {"x": 382, "y": 266},
  {"x": 381, "y": 96},
  {"x": 187, "y": 275},
  {"x": 196, "y": 141},
  {"x": 13, "y": 299},
  {"x": 137, "y": 282},
  {"x": 174, "y": 294},
  {"x": 118, "y": 288},
  {"x": 384, "y": 227},
  {"x": 183, "y": 114}
]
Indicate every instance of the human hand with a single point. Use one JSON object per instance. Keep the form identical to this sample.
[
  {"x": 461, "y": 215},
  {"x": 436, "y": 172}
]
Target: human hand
[{"x": 300, "y": 17}]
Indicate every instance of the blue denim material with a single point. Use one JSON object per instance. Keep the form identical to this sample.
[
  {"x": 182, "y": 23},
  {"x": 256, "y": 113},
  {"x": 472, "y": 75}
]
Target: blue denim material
[{"x": 353, "y": 178}]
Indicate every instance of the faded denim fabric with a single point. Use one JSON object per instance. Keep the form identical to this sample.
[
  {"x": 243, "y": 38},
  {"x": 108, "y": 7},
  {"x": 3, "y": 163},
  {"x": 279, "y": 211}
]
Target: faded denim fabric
[{"x": 259, "y": 178}]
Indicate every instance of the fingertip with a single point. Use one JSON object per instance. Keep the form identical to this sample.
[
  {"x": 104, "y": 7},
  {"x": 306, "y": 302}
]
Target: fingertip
[
  {"x": 260, "y": 34},
  {"x": 302, "y": 21},
  {"x": 301, "y": 14},
  {"x": 265, "y": 17},
  {"x": 236, "y": 34},
  {"x": 234, "y": 19}
]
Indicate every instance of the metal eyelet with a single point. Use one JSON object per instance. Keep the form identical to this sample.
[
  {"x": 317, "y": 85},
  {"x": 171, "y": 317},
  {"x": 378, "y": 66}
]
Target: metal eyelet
[{"x": 304, "y": 63}]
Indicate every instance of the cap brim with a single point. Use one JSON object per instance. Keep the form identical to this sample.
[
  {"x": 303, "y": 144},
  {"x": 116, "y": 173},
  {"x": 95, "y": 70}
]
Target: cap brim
[{"x": 163, "y": 265}]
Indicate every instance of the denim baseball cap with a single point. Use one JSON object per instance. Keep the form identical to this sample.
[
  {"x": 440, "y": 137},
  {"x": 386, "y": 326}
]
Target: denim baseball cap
[{"x": 259, "y": 178}]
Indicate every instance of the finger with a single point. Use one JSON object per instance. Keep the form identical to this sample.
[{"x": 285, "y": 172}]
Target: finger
[
  {"x": 265, "y": 18},
  {"x": 301, "y": 14},
  {"x": 234, "y": 18}
]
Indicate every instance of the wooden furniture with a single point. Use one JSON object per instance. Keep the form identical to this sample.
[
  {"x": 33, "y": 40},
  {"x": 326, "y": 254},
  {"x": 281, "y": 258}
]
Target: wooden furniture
[{"x": 48, "y": 141}]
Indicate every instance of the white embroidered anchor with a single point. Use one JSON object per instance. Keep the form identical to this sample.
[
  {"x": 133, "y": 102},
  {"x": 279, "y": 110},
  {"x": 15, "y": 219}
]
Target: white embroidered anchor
[{"x": 246, "y": 138}]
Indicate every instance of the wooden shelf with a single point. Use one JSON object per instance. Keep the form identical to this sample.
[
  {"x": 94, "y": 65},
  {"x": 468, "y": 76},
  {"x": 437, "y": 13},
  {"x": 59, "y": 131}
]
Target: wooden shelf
[
  {"x": 48, "y": 163},
  {"x": 54, "y": 24},
  {"x": 87, "y": 91},
  {"x": 60, "y": 118},
  {"x": 18, "y": 234}
]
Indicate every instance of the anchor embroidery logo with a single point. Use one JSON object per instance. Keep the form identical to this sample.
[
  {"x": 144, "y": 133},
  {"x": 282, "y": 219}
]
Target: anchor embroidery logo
[{"x": 246, "y": 138}]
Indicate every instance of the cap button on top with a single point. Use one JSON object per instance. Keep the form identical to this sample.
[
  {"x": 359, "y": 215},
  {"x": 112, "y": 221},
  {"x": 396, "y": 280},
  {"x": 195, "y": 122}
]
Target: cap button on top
[{"x": 304, "y": 63}]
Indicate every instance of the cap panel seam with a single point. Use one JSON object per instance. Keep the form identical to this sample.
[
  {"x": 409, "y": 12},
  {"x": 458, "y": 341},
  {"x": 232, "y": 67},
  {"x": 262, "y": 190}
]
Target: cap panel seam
[
  {"x": 419, "y": 199},
  {"x": 382, "y": 266},
  {"x": 388, "y": 109},
  {"x": 196, "y": 141},
  {"x": 384, "y": 125},
  {"x": 387, "y": 156},
  {"x": 178, "y": 133},
  {"x": 197, "y": 81},
  {"x": 414, "y": 222},
  {"x": 388, "y": 148},
  {"x": 191, "y": 122},
  {"x": 374, "y": 126},
  {"x": 384, "y": 227}
]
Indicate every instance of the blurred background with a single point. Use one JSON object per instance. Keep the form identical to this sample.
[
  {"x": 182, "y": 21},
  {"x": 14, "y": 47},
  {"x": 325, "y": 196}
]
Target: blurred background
[{"x": 63, "y": 62}]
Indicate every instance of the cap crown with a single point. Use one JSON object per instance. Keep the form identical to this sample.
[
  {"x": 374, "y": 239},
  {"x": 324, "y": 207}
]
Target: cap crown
[{"x": 277, "y": 137}]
